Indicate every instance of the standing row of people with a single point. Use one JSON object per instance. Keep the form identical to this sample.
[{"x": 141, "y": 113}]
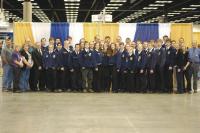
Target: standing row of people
[{"x": 101, "y": 66}]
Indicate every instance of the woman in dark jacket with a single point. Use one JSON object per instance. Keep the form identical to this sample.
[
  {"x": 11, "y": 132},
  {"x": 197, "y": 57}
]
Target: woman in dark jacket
[
  {"x": 179, "y": 63},
  {"x": 186, "y": 70}
]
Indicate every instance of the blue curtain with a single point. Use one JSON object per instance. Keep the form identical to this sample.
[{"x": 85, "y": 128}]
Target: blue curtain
[
  {"x": 60, "y": 30},
  {"x": 146, "y": 32}
]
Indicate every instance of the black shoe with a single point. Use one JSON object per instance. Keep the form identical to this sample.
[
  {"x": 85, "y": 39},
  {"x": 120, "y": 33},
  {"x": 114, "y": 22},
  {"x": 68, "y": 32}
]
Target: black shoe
[{"x": 195, "y": 91}]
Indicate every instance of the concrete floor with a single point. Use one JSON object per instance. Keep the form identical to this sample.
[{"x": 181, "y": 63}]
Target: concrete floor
[{"x": 99, "y": 113}]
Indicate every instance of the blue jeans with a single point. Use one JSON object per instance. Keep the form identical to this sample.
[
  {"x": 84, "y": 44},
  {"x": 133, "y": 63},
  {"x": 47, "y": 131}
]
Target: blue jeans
[
  {"x": 7, "y": 76},
  {"x": 24, "y": 79}
]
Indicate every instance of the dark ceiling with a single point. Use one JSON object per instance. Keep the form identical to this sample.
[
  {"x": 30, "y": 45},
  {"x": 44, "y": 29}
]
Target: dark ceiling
[{"x": 183, "y": 11}]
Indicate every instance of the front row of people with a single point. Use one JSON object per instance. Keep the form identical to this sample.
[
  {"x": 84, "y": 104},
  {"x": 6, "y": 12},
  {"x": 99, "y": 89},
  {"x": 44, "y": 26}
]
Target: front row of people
[{"x": 97, "y": 67}]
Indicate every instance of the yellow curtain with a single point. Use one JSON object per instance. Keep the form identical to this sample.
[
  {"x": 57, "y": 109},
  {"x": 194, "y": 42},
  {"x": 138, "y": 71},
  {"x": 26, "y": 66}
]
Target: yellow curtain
[
  {"x": 21, "y": 32},
  {"x": 182, "y": 30},
  {"x": 106, "y": 29},
  {"x": 196, "y": 37}
]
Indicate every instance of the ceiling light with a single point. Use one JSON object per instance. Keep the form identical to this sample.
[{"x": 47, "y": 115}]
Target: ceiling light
[
  {"x": 195, "y": 5},
  {"x": 188, "y": 8},
  {"x": 174, "y": 13},
  {"x": 114, "y": 4},
  {"x": 150, "y": 8},
  {"x": 157, "y": 5},
  {"x": 164, "y": 1},
  {"x": 121, "y": 1}
]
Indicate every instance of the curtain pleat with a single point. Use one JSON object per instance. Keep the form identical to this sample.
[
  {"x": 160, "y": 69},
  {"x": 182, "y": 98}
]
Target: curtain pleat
[
  {"x": 182, "y": 30},
  {"x": 22, "y": 31},
  {"x": 146, "y": 32}
]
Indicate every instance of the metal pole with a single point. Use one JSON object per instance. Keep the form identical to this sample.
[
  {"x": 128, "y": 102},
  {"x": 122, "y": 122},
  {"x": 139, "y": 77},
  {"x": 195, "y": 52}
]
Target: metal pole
[{"x": 2, "y": 5}]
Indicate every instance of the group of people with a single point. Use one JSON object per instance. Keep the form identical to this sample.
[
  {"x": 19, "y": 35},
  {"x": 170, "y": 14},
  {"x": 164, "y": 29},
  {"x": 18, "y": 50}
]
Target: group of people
[{"x": 101, "y": 66}]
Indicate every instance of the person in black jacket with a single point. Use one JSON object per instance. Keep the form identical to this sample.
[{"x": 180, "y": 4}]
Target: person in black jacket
[
  {"x": 169, "y": 64},
  {"x": 75, "y": 67},
  {"x": 187, "y": 70},
  {"x": 38, "y": 82},
  {"x": 161, "y": 52},
  {"x": 179, "y": 63},
  {"x": 151, "y": 64}
]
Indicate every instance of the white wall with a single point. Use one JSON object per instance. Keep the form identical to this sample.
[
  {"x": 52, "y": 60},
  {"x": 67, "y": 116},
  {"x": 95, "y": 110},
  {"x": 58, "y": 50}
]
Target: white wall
[
  {"x": 9, "y": 29},
  {"x": 196, "y": 28}
]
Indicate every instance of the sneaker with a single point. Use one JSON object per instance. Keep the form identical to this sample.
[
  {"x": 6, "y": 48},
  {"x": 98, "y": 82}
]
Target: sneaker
[
  {"x": 91, "y": 91},
  {"x": 84, "y": 91}
]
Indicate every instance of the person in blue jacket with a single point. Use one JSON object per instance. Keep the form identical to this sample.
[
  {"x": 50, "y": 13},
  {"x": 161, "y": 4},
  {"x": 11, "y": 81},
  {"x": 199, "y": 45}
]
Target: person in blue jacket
[
  {"x": 132, "y": 63},
  {"x": 76, "y": 81},
  {"x": 88, "y": 64},
  {"x": 169, "y": 64},
  {"x": 63, "y": 67},
  {"x": 122, "y": 66},
  {"x": 161, "y": 53},
  {"x": 97, "y": 72},
  {"x": 50, "y": 65},
  {"x": 151, "y": 67},
  {"x": 141, "y": 80}
]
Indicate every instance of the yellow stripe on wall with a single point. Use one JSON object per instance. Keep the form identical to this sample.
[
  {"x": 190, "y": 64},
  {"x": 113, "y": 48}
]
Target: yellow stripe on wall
[
  {"x": 101, "y": 29},
  {"x": 182, "y": 30},
  {"x": 21, "y": 32}
]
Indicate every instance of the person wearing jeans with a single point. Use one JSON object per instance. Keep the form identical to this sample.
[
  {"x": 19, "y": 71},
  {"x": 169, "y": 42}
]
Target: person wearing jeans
[
  {"x": 194, "y": 54},
  {"x": 25, "y": 72},
  {"x": 6, "y": 57}
]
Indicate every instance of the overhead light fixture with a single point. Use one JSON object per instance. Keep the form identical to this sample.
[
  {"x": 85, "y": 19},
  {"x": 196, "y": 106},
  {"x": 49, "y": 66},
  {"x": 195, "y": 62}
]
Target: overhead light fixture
[
  {"x": 118, "y": 1},
  {"x": 170, "y": 15},
  {"x": 114, "y": 4},
  {"x": 194, "y": 5},
  {"x": 150, "y": 8},
  {"x": 72, "y": 0},
  {"x": 157, "y": 5},
  {"x": 188, "y": 8},
  {"x": 174, "y": 13},
  {"x": 180, "y": 11},
  {"x": 164, "y": 1}
]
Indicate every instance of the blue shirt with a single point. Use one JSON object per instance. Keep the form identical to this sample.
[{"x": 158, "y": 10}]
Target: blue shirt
[{"x": 194, "y": 55}]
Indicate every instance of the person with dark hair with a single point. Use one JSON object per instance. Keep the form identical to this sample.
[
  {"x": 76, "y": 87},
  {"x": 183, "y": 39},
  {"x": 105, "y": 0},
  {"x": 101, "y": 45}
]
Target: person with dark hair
[
  {"x": 169, "y": 64},
  {"x": 63, "y": 77},
  {"x": 122, "y": 66},
  {"x": 75, "y": 66},
  {"x": 6, "y": 58},
  {"x": 97, "y": 72},
  {"x": 152, "y": 58},
  {"x": 114, "y": 73},
  {"x": 160, "y": 76}
]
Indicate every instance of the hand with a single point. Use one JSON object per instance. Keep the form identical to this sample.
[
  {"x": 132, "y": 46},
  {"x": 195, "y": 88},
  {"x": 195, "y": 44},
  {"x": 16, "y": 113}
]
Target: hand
[
  {"x": 125, "y": 71},
  {"x": 72, "y": 70},
  {"x": 141, "y": 71},
  {"x": 83, "y": 67},
  {"x": 21, "y": 65},
  {"x": 39, "y": 68},
  {"x": 151, "y": 71},
  {"x": 170, "y": 68},
  {"x": 117, "y": 70},
  {"x": 179, "y": 70},
  {"x": 96, "y": 69}
]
